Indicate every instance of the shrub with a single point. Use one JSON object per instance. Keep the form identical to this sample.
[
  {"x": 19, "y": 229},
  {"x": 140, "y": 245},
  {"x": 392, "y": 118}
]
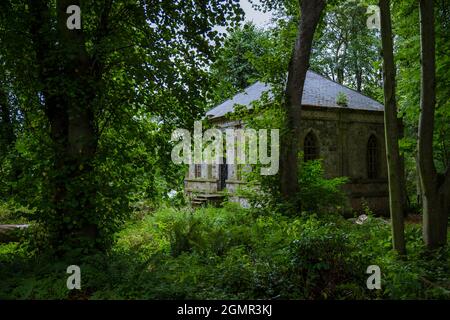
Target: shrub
[
  {"x": 319, "y": 194},
  {"x": 321, "y": 259},
  {"x": 342, "y": 99},
  {"x": 231, "y": 253}
]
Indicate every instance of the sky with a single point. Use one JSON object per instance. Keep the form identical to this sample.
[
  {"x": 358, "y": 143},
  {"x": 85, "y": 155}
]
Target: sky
[{"x": 259, "y": 18}]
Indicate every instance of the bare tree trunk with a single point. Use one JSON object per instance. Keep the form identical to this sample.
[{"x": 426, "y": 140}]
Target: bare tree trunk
[
  {"x": 391, "y": 129},
  {"x": 358, "y": 79},
  {"x": 298, "y": 66},
  {"x": 418, "y": 183},
  {"x": 406, "y": 203},
  {"x": 435, "y": 187}
]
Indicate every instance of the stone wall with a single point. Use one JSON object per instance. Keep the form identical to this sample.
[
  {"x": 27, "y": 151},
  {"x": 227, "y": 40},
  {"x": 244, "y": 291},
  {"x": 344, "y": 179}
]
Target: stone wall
[{"x": 342, "y": 136}]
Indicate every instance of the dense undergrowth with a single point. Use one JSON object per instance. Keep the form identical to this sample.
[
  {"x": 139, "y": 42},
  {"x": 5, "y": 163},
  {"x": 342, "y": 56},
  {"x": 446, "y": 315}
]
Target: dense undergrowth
[{"x": 231, "y": 253}]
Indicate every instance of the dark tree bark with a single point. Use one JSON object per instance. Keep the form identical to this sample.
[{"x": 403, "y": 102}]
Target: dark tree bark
[
  {"x": 406, "y": 203},
  {"x": 310, "y": 14},
  {"x": 435, "y": 187},
  {"x": 391, "y": 128},
  {"x": 7, "y": 136},
  {"x": 359, "y": 80},
  {"x": 418, "y": 183},
  {"x": 69, "y": 110}
]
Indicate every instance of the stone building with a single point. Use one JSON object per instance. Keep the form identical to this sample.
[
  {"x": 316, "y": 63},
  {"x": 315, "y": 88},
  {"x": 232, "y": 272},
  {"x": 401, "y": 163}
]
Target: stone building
[{"x": 347, "y": 135}]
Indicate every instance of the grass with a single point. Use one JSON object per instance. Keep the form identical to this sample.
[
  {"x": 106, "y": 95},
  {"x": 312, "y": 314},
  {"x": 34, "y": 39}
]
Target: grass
[{"x": 232, "y": 253}]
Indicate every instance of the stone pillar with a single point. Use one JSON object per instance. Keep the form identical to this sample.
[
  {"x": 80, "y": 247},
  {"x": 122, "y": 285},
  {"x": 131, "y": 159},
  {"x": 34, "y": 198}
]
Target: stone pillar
[
  {"x": 191, "y": 171},
  {"x": 204, "y": 174},
  {"x": 343, "y": 145},
  {"x": 209, "y": 171}
]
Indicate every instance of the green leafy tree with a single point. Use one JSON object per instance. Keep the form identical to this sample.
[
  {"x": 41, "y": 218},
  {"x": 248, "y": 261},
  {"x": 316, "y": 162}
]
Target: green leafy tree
[
  {"x": 298, "y": 66},
  {"x": 347, "y": 51},
  {"x": 90, "y": 93},
  {"x": 391, "y": 125},
  {"x": 234, "y": 67},
  {"x": 435, "y": 187}
]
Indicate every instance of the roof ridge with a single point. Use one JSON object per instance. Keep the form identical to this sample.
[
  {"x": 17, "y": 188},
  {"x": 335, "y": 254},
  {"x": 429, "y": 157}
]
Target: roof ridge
[
  {"x": 340, "y": 84},
  {"x": 319, "y": 90}
]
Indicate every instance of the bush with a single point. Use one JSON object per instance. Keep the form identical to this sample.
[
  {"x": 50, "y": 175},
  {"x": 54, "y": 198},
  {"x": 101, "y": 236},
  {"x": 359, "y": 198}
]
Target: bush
[
  {"x": 422, "y": 275},
  {"x": 322, "y": 261},
  {"x": 342, "y": 99},
  {"x": 232, "y": 253},
  {"x": 13, "y": 214},
  {"x": 319, "y": 194}
]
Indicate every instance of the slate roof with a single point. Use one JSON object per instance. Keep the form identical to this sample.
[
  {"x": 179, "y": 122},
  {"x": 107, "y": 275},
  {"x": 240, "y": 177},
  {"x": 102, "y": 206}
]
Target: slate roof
[{"x": 318, "y": 91}]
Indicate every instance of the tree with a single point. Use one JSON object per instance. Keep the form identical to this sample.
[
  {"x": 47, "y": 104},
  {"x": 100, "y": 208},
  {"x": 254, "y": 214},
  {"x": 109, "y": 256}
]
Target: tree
[
  {"x": 103, "y": 98},
  {"x": 391, "y": 132},
  {"x": 347, "y": 51},
  {"x": 233, "y": 69},
  {"x": 7, "y": 136},
  {"x": 435, "y": 187},
  {"x": 309, "y": 18},
  {"x": 70, "y": 111},
  {"x": 406, "y": 23}
]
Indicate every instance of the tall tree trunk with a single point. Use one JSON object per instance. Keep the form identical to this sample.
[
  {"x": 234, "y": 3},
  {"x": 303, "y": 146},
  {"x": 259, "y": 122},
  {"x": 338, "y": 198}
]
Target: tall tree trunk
[
  {"x": 406, "y": 203},
  {"x": 340, "y": 74},
  {"x": 69, "y": 112},
  {"x": 358, "y": 79},
  {"x": 418, "y": 182},
  {"x": 298, "y": 66},
  {"x": 7, "y": 136},
  {"x": 82, "y": 137},
  {"x": 435, "y": 187},
  {"x": 391, "y": 129}
]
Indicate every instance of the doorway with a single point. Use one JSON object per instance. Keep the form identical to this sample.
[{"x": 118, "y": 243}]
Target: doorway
[{"x": 223, "y": 174}]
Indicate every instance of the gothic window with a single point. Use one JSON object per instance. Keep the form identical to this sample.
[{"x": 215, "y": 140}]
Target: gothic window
[
  {"x": 372, "y": 158},
  {"x": 310, "y": 149},
  {"x": 198, "y": 170}
]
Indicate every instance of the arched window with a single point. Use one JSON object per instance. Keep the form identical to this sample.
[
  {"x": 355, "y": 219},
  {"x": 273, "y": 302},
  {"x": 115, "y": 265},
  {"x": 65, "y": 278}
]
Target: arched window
[
  {"x": 372, "y": 158},
  {"x": 310, "y": 147}
]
